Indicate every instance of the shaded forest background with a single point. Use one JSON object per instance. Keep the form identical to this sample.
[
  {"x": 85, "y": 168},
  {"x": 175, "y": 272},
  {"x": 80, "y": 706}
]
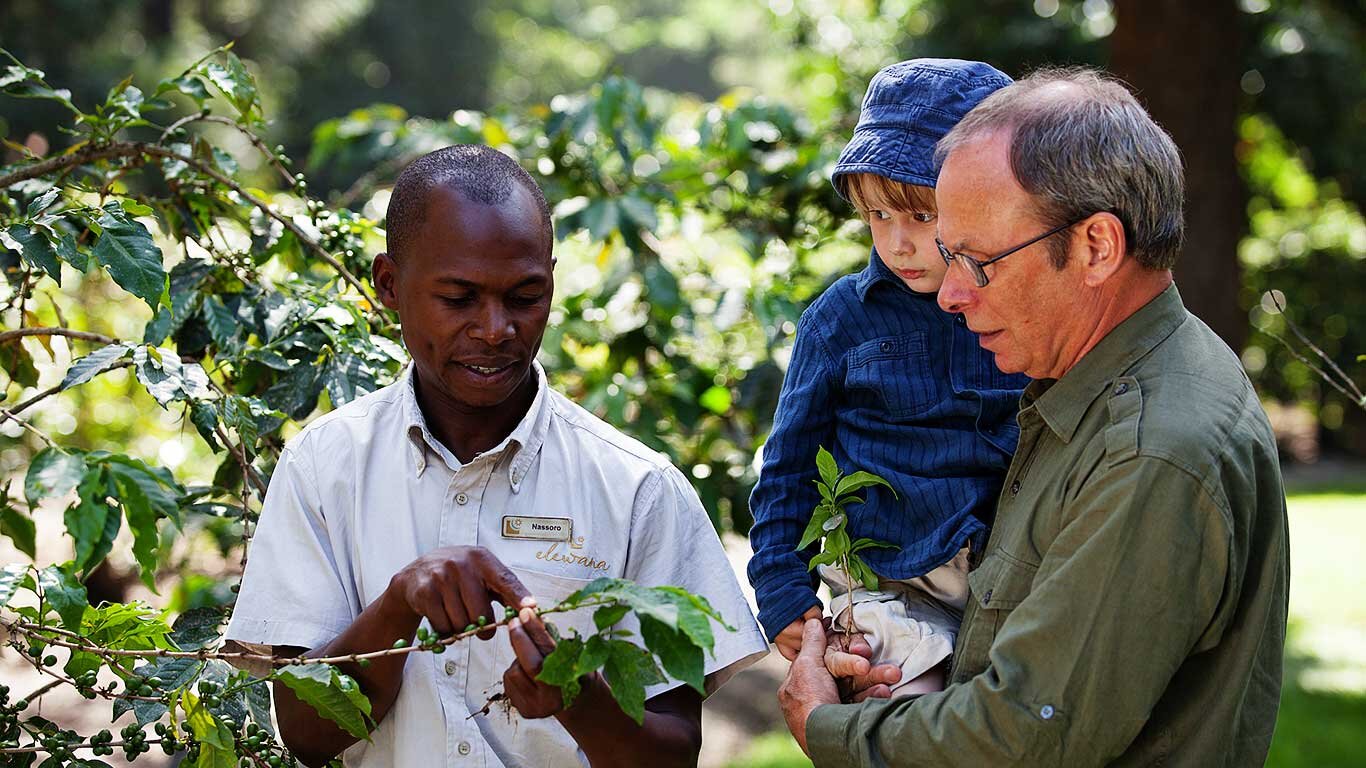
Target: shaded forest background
[{"x": 1267, "y": 99}]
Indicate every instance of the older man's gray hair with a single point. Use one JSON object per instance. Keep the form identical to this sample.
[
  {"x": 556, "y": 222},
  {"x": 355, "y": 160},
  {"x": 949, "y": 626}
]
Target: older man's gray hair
[{"x": 1082, "y": 144}]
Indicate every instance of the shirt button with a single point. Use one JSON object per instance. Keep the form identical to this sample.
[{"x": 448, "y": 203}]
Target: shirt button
[
  {"x": 1014, "y": 487},
  {"x": 450, "y": 667},
  {"x": 960, "y": 320},
  {"x": 1121, "y": 388},
  {"x": 463, "y": 748},
  {"x": 987, "y": 597},
  {"x": 1046, "y": 712},
  {"x": 885, "y": 346},
  {"x": 461, "y": 498}
]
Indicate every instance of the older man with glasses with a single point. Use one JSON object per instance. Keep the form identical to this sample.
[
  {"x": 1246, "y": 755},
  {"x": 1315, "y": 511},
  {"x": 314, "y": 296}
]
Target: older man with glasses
[{"x": 1130, "y": 606}]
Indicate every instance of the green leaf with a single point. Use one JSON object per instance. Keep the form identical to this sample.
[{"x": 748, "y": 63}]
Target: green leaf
[
  {"x": 321, "y": 687},
  {"x": 53, "y": 472},
  {"x": 640, "y": 211},
  {"x": 676, "y": 651},
  {"x": 65, "y": 594},
  {"x": 823, "y": 558},
  {"x": 258, "y": 704},
  {"x": 216, "y": 748},
  {"x": 18, "y": 73},
  {"x": 716, "y": 399},
  {"x": 222, "y": 322},
  {"x": 89, "y": 520},
  {"x": 128, "y": 101},
  {"x": 830, "y": 471},
  {"x": 167, "y": 378},
  {"x": 18, "y": 363},
  {"x": 37, "y": 249},
  {"x": 133, "y": 259},
  {"x": 12, "y": 577},
  {"x": 859, "y": 480},
  {"x": 862, "y": 544},
  {"x": 189, "y": 85},
  {"x": 814, "y": 529},
  {"x": 197, "y": 628},
  {"x": 43, "y": 202},
  {"x": 863, "y": 573},
  {"x": 94, "y": 364},
  {"x": 145, "y": 497},
  {"x": 628, "y": 670},
  {"x": 234, "y": 81},
  {"x": 608, "y": 615},
  {"x": 560, "y": 668},
  {"x": 204, "y": 416},
  {"x": 20, "y": 528},
  {"x": 296, "y": 392},
  {"x": 601, "y": 218}
]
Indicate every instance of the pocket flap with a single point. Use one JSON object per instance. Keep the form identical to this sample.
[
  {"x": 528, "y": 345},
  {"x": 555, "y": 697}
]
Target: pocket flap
[{"x": 1001, "y": 582}]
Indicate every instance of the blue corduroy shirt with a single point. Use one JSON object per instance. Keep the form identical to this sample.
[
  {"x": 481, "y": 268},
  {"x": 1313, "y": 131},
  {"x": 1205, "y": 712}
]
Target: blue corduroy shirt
[{"x": 890, "y": 384}]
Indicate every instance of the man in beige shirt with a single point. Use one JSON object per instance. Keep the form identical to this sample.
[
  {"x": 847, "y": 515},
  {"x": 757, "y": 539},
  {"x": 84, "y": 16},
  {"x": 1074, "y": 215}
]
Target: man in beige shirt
[
  {"x": 466, "y": 482},
  {"x": 1130, "y": 606}
]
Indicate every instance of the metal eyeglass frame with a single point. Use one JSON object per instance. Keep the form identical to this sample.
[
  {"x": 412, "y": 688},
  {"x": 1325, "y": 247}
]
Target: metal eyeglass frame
[{"x": 978, "y": 268}]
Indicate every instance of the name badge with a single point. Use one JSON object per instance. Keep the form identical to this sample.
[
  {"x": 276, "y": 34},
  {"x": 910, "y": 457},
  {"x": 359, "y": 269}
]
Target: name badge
[{"x": 538, "y": 528}]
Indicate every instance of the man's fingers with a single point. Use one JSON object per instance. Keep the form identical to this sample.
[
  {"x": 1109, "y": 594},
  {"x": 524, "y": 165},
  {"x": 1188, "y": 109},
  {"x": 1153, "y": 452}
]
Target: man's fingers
[
  {"x": 876, "y": 692},
  {"x": 529, "y": 657},
  {"x": 813, "y": 640},
  {"x": 501, "y": 581},
  {"x": 535, "y": 629},
  {"x": 843, "y": 664},
  {"x": 475, "y": 595},
  {"x": 858, "y": 645}
]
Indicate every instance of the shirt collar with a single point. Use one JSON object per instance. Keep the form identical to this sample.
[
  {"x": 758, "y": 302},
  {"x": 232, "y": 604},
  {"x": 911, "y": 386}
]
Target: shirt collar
[
  {"x": 877, "y": 272},
  {"x": 521, "y": 445},
  {"x": 1063, "y": 403}
]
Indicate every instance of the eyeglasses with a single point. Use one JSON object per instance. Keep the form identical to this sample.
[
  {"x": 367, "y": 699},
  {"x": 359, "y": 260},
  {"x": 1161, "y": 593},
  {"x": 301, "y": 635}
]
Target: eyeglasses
[{"x": 978, "y": 268}]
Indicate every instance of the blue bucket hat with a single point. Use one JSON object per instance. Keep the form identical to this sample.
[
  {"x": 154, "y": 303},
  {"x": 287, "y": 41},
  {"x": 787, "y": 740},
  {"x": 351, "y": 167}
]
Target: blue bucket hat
[{"x": 909, "y": 107}]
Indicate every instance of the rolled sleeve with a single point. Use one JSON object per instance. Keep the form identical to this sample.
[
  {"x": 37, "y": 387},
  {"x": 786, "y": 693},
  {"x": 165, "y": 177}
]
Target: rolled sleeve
[
  {"x": 784, "y": 496},
  {"x": 293, "y": 591},
  {"x": 673, "y": 543},
  {"x": 1132, "y": 585}
]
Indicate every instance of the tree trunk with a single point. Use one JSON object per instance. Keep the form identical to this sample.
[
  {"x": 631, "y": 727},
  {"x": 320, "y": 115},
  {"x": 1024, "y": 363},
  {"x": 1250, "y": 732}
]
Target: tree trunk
[{"x": 1183, "y": 61}]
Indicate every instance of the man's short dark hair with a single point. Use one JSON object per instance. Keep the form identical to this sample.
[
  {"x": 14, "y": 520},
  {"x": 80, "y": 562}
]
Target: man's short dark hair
[
  {"x": 1081, "y": 143},
  {"x": 480, "y": 174}
]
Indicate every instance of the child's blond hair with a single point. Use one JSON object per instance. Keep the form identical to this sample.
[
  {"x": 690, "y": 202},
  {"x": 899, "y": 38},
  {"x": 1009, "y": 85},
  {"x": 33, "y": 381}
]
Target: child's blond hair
[{"x": 869, "y": 191}]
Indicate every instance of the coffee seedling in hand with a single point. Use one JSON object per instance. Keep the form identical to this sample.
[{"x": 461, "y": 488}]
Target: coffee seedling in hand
[{"x": 829, "y": 522}]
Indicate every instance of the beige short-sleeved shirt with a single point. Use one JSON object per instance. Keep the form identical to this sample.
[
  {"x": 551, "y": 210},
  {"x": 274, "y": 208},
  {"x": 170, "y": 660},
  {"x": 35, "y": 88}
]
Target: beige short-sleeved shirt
[{"x": 365, "y": 490}]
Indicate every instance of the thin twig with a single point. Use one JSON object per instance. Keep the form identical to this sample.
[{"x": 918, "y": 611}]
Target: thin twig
[
  {"x": 1356, "y": 394},
  {"x": 87, "y": 745},
  {"x": 8, "y": 336},
  {"x": 205, "y": 117},
  {"x": 8, "y": 415},
  {"x": 57, "y": 638},
  {"x": 50, "y": 391}
]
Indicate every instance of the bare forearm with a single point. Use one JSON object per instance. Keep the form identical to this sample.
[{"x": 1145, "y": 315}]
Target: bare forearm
[
  {"x": 610, "y": 738},
  {"x": 315, "y": 739}
]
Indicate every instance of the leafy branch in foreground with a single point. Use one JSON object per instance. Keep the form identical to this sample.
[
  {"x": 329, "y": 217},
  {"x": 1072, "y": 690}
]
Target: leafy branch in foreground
[
  {"x": 829, "y": 524},
  {"x": 198, "y": 702}
]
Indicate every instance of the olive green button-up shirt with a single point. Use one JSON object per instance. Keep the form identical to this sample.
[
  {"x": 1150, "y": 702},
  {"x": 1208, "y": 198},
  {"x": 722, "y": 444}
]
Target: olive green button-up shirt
[{"x": 1130, "y": 606}]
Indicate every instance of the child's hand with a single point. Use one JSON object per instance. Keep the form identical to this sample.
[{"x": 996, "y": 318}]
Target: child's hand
[{"x": 789, "y": 641}]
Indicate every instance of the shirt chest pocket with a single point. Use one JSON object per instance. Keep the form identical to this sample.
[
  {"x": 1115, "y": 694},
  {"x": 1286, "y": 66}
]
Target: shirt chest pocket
[
  {"x": 998, "y": 585},
  {"x": 892, "y": 374}
]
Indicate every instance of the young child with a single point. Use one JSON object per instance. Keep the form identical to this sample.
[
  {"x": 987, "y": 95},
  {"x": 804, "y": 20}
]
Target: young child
[{"x": 893, "y": 385}]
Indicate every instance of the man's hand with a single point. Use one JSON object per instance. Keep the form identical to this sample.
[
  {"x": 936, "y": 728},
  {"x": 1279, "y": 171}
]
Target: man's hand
[
  {"x": 808, "y": 684},
  {"x": 531, "y": 643},
  {"x": 847, "y": 658},
  {"x": 789, "y": 641},
  {"x": 453, "y": 586}
]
